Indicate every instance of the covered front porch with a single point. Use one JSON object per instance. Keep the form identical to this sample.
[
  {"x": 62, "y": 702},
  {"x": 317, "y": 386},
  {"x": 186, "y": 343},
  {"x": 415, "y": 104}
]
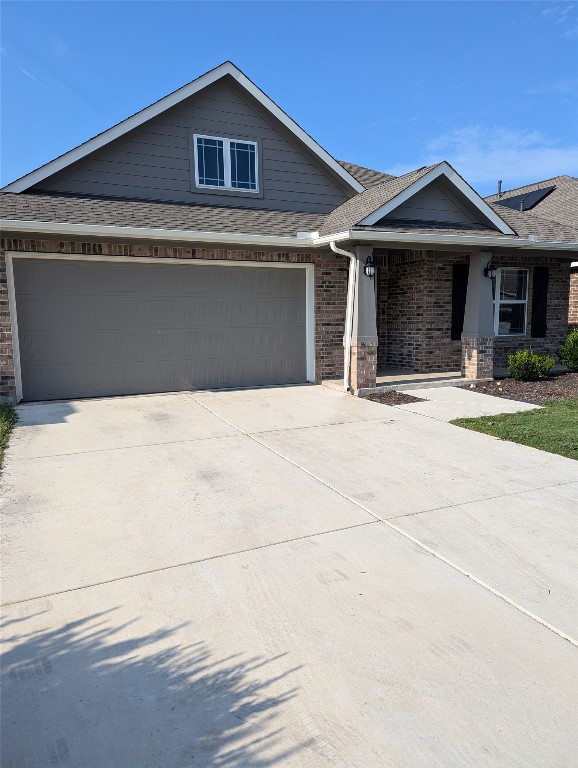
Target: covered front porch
[
  {"x": 402, "y": 331},
  {"x": 427, "y": 317}
]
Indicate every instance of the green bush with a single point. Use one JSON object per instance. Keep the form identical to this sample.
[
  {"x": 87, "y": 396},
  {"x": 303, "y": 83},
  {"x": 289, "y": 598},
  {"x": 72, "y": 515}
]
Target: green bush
[
  {"x": 526, "y": 365},
  {"x": 568, "y": 351}
]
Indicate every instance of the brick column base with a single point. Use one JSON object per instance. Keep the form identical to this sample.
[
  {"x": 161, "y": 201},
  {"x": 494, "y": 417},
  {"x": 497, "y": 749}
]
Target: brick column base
[
  {"x": 478, "y": 357},
  {"x": 363, "y": 369}
]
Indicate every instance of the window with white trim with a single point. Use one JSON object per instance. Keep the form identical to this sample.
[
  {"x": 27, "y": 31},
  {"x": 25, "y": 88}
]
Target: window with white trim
[
  {"x": 510, "y": 301},
  {"x": 226, "y": 163}
]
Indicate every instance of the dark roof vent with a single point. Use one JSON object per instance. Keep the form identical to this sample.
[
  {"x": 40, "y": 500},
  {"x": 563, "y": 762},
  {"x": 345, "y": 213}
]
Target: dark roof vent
[{"x": 527, "y": 200}]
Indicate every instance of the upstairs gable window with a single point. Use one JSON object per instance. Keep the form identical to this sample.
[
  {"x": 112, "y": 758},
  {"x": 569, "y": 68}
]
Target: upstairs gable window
[{"x": 226, "y": 163}]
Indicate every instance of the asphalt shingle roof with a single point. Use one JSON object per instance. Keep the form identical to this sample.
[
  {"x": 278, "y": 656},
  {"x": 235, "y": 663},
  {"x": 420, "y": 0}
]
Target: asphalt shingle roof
[
  {"x": 529, "y": 223},
  {"x": 73, "y": 209},
  {"x": 560, "y": 205},
  {"x": 366, "y": 176},
  {"x": 350, "y": 213}
]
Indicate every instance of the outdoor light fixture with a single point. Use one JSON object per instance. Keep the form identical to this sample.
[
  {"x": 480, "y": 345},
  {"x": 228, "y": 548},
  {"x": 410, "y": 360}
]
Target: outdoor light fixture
[
  {"x": 490, "y": 270},
  {"x": 369, "y": 268}
]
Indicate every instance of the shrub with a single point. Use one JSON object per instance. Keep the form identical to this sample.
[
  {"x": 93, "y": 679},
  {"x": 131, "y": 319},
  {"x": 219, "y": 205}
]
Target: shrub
[
  {"x": 526, "y": 365},
  {"x": 568, "y": 351}
]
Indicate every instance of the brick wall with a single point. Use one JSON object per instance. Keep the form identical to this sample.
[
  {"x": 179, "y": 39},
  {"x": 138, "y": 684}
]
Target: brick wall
[
  {"x": 330, "y": 291},
  {"x": 573, "y": 303},
  {"x": 400, "y": 309},
  {"x": 7, "y": 387},
  {"x": 363, "y": 365},
  {"x": 414, "y": 295},
  {"x": 414, "y": 300}
]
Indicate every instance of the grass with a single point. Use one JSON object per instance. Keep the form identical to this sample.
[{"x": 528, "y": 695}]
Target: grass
[
  {"x": 8, "y": 418},
  {"x": 553, "y": 428}
]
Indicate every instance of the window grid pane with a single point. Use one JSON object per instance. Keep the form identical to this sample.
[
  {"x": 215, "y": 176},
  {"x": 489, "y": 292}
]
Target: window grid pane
[
  {"x": 514, "y": 285},
  {"x": 243, "y": 165},
  {"x": 512, "y": 319},
  {"x": 210, "y": 162}
]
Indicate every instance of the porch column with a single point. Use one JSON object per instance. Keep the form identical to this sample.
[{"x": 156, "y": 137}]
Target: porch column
[
  {"x": 478, "y": 331},
  {"x": 364, "y": 336}
]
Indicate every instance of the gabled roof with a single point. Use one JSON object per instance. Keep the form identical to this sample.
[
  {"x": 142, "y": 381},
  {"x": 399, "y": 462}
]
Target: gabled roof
[
  {"x": 118, "y": 130},
  {"x": 352, "y": 211},
  {"x": 369, "y": 207},
  {"x": 561, "y": 204}
]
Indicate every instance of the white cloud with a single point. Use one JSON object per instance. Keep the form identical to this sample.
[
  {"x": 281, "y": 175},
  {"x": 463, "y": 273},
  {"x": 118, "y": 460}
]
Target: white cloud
[
  {"x": 564, "y": 14},
  {"x": 565, "y": 87},
  {"x": 482, "y": 155},
  {"x": 5, "y": 53}
]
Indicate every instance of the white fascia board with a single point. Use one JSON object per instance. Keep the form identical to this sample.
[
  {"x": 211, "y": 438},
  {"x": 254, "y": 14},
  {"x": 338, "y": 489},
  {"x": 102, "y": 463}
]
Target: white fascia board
[
  {"x": 118, "y": 130},
  {"x": 431, "y": 239},
  {"x": 152, "y": 233},
  {"x": 273, "y": 241},
  {"x": 443, "y": 169}
]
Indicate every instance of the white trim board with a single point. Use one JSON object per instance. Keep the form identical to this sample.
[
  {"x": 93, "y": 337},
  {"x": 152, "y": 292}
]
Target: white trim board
[
  {"x": 309, "y": 240},
  {"x": 443, "y": 169},
  {"x": 118, "y": 130},
  {"x": 309, "y": 293}
]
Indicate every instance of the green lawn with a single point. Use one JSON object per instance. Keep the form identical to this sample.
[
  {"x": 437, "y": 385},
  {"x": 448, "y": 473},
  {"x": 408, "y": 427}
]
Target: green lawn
[
  {"x": 553, "y": 428},
  {"x": 7, "y": 420}
]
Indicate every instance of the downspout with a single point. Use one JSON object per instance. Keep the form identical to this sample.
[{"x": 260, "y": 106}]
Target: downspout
[{"x": 348, "y": 312}]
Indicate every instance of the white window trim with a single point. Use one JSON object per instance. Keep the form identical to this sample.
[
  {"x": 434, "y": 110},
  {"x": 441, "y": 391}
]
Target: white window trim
[
  {"x": 498, "y": 302},
  {"x": 227, "y": 162}
]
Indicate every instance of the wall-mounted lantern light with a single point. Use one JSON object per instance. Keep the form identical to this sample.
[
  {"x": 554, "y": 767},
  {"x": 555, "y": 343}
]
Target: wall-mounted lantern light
[
  {"x": 369, "y": 268},
  {"x": 490, "y": 270}
]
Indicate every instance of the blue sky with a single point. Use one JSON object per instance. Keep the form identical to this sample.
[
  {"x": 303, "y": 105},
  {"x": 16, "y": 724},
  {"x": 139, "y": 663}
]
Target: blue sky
[{"x": 489, "y": 86}]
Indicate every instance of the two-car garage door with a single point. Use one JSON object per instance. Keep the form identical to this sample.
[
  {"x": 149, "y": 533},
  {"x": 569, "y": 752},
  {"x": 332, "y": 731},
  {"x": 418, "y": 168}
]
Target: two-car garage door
[{"x": 90, "y": 328}]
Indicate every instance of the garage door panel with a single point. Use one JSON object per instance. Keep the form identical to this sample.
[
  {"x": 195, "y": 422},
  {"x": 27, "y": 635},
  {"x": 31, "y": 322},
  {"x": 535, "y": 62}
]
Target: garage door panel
[{"x": 96, "y": 328}]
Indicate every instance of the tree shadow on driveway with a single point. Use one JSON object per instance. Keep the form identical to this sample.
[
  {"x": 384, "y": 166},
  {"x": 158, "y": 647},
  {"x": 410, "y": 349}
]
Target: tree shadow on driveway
[{"x": 92, "y": 694}]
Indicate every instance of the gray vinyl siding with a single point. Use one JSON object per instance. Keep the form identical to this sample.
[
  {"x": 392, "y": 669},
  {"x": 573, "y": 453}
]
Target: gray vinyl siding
[
  {"x": 95, "y": 329},
  {"x": 434, "y": 203},
  {"x": 154, "y": 161}
]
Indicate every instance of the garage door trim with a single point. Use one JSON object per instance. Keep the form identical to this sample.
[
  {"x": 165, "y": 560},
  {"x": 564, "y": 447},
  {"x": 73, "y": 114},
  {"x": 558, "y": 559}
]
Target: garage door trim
[{"x": 186, "y": 263}]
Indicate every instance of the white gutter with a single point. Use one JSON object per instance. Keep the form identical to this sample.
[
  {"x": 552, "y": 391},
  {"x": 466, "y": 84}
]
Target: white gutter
[
  {"x": 151, "y": 233},
  {"x": 348, "y": 311},
  {"x": 504, "y": 242},
  {"x": 310, "y": 240}
]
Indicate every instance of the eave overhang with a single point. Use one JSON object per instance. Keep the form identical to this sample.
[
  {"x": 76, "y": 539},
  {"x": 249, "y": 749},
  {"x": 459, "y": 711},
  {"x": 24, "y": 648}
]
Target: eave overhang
[{"x": 308, "y": 240}]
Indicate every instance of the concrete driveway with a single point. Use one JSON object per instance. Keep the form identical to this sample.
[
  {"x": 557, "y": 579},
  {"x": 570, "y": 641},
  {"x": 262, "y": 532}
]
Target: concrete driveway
[{"x": 288, "y": 577}]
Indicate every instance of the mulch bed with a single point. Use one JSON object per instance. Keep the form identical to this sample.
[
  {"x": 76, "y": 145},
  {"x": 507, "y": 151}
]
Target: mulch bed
[
  {"x": 563, "y": 386},
  {"x": 391, "y": 397}
]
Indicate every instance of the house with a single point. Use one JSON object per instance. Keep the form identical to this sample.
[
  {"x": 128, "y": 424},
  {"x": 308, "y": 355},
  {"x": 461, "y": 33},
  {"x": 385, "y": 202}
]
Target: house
[{"x": 208, "y": 241}]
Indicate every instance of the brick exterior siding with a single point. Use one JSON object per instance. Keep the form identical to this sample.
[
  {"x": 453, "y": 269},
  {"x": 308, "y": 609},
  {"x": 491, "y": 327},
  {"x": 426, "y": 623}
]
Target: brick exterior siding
[
  {"x": 573, "y": 303},
  {"x": 363, "y": 365},
  {"x": 478, "y": 358},
  {"x": 414, "y": 291},
  {"x": 330, "y": 291},
  {"x": 414, "y": 300}
]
